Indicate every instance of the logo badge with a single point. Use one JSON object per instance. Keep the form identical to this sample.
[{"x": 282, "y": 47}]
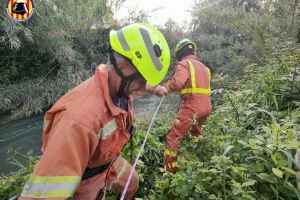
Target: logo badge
[{"x": 20, "y": 10}]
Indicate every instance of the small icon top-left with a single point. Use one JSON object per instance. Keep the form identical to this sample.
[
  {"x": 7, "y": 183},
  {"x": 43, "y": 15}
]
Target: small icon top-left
[{"x": 20, "y": 10}]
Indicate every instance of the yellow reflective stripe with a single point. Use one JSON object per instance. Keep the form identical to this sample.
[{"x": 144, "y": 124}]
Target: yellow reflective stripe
[
  {"x": 52, "y": 194},
  {"x": 168, "y": 152},
  {"x": 174, "y": 164},
  {"x": 192, "y": 73},
  {"x": 209, "y": 77},
  {"x": 51, "y": 186},
  {"x": 54, "y": 179},
  {"x": 195, "y": 91},
  {"x": 107, "y": 129},
  {"x": 122, "y": 171},
  {"x": 209, "y": 74}
]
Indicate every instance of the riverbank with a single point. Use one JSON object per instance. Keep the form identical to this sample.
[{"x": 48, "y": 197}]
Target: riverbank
[
  {"x": 25, "y": 134},
  {"x": 21, "y": 136}
]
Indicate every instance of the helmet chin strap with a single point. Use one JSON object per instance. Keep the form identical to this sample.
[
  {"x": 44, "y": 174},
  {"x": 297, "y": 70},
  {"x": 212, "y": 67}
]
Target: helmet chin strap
[{"x": 125, "y": 80}]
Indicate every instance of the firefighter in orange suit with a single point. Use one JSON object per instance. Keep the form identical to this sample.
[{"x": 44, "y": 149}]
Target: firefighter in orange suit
[
  {"x": 86, "y": 129},
  {"x": 192, "y": 81}
]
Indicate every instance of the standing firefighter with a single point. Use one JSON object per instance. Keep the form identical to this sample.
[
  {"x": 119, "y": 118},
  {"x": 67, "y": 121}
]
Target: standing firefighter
[
  {"x": 86, "y": 129},
  {"x": 192, "y": 81}
]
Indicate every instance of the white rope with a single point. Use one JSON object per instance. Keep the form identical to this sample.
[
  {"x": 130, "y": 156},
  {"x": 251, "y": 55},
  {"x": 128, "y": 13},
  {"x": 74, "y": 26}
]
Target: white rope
[{"x": 140, "y": 152}]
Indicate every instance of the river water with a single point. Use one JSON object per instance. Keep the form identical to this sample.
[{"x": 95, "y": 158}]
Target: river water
[{"x": 25, "y": 134}]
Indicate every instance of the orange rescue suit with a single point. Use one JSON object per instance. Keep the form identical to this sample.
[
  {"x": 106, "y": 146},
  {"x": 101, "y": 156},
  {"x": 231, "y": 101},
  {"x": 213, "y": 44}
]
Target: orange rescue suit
[
  {"x": 84, "y": 129},
  {"x": 192, "y": 81}
]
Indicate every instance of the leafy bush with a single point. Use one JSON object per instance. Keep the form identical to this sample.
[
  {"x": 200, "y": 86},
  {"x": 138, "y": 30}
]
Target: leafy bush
[
  {"x": 230, "y": 36},
  {"x": 250, "y": 142},
  {"x": 55, "y": 51},
  {"x": 248, "y": 148}
]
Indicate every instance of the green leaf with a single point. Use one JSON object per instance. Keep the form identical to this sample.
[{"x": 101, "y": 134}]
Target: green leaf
[
  {"x": 274, "y": 189},
  {"x": 280, "y": 158},
  {"x": 268, "y": 113},
  {"x": 242, "y": 142},
  {"x": 257, "y": 166},
  {"x": 260, "y": 137},
  {"x": 290, "y": 171},
  {"x": 277, "y": 172},
  {"x": 266, "y": 177},
  {"x": 249, "y": 183},
  {"x": 266, "y": 129},
  {"x": 227, "y": 149}
]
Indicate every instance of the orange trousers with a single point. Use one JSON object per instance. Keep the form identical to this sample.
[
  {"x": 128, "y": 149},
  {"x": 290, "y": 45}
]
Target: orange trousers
[{"x": 190, "y": 117}]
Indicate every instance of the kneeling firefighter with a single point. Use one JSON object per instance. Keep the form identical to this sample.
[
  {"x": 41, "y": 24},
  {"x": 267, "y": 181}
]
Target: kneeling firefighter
[{"x": 87, "y": 128}]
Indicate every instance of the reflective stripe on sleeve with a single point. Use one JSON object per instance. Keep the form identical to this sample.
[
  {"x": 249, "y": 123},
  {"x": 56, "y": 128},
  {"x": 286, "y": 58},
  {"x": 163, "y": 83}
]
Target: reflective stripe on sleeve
[
  {"x": 107, "y": 129},
  {"x": 51, "y": 186}
]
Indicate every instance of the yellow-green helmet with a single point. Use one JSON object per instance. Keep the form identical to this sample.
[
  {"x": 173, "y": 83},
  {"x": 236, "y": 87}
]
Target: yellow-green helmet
[
  {"x": 183, "y": 43},
  {"x": 146, "y": 47}
]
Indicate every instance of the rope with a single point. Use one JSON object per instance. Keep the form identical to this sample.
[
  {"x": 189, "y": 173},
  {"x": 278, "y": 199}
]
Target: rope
[{"x": 141, "y": 149}]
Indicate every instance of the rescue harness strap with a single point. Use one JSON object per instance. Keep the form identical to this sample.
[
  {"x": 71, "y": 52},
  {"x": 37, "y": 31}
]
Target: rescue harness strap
[{"x": 90, "y": 172}]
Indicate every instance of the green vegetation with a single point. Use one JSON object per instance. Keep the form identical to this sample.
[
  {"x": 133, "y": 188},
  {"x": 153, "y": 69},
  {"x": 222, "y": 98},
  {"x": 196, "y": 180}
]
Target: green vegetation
[
  {"x": 58, "y": 48},
  {"x": 55, "y": 51},
  {"x": 230, "y": 38},
  {"x": 12, "y": 184},
  {"x": 248, "y": 149},
  {"x": 250, "y": 138}
]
